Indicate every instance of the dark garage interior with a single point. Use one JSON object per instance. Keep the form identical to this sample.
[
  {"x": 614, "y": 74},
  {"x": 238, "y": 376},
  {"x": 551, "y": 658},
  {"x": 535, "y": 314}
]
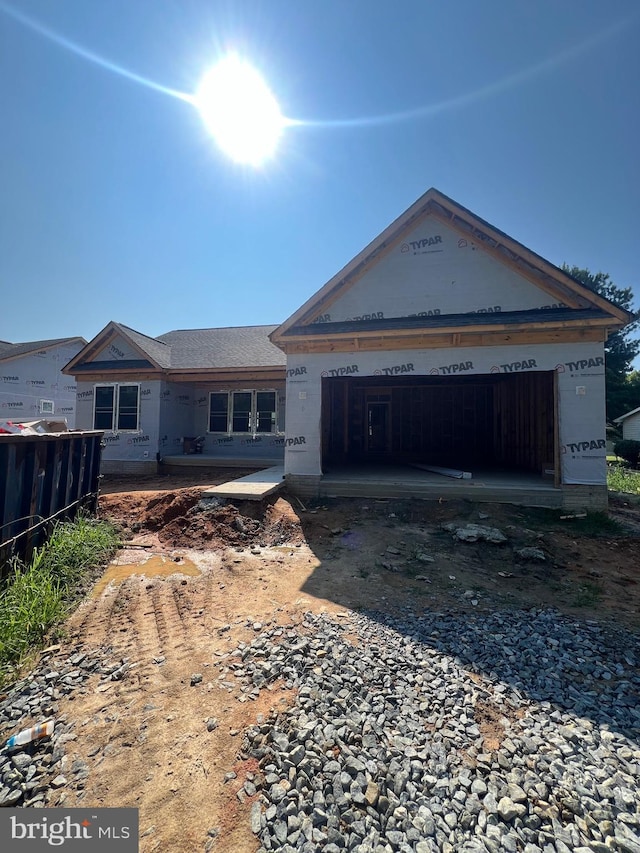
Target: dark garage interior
[{"x": 493, "y": 421}]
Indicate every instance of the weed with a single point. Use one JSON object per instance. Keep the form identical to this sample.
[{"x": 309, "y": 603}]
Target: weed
[
  {"x": 621, "y": 479},
  {"x": 34, "y": 597}
]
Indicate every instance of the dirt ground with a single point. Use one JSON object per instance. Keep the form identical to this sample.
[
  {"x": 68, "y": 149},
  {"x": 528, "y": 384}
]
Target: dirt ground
[{"x": 215, "y": 574}]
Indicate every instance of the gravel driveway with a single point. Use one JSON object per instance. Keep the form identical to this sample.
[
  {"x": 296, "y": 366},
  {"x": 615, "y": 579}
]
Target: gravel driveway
[
  {"x": 509, "y": 731},
  {"x": 433, "y": 732}
]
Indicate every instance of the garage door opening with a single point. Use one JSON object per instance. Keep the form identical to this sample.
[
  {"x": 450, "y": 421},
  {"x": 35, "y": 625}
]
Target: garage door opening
[{"x": 490, "y": 422}]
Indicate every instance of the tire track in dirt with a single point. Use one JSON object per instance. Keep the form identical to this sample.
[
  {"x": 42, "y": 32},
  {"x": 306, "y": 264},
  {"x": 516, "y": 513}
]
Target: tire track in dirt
[{"x": 145, "y": 738}]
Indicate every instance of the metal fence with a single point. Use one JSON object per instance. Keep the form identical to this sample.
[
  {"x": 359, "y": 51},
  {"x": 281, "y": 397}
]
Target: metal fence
[{"x": 43, "y": 479}]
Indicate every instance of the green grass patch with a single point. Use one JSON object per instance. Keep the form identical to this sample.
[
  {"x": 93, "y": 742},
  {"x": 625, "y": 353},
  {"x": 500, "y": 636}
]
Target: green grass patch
[
  {"x": 35, "y": 597},
  {"x": 621, "y": 479}
]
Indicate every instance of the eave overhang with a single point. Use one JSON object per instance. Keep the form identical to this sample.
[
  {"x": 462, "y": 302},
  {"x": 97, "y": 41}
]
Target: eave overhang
[
  {"x": 545, "y": 275},
  {"x": 452, "y": 330}
]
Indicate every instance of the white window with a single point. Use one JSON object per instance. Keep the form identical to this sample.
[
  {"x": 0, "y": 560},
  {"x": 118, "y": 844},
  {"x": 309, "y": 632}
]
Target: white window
[
  {"x": 116, "y": 408},
  {"x": 46, "y": 407},
  {"x": 252, "y": 412}
]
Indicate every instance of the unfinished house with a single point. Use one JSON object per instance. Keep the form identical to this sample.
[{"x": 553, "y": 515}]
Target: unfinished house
[
  {"x": 32, "y": 384},
  {"x": 447, "y": 344},
  {"x": 198, "y": 396}
]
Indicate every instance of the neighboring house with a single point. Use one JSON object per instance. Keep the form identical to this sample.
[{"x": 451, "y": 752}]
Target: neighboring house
[
  {"x": 447, "y": 342},
  {"x": 225, "y": 386},
  {"x": 31, "y": 382},
  {"x": 630, "y": 424}
]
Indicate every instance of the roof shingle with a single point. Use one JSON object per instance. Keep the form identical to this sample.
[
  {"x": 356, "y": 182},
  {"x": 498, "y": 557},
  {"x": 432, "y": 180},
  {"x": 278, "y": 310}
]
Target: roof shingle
[{"x": 237, "y": 346}]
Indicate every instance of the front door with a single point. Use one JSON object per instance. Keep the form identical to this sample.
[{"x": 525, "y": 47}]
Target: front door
[{"x": 378, "y": 432}]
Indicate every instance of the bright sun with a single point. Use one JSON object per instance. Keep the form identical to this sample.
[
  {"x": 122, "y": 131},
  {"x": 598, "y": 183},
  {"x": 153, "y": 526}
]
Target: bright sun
[{"x": 240, "y": 111}]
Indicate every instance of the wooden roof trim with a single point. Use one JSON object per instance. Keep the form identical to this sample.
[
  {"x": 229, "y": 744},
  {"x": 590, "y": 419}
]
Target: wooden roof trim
[
  {"x": 505, "y": 249},
  {"x": 507, "y": 257},
  {"x": 447, "y": 341},
  {"x": 600, "y": 322},
  {"x": 355, "y": 268},
  {"x": 529, "y": 264},
  {"x": 100, "y": 341},
  {"x": 227, "y": 376}
]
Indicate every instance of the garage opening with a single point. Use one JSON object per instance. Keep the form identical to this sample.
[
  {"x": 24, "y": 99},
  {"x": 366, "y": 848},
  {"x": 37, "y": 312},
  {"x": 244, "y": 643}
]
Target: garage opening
[{"x": 502, "y": 421}]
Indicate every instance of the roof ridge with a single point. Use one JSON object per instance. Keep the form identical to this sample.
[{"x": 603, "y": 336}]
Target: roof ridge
[
  {"x": 220, "y": 328},
  {"x": 142, "y": 334}
]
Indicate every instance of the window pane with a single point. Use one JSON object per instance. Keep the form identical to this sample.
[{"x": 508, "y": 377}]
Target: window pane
[
  {"x": 128, "y": 407},
  {"x": 219, "y": 412},
  {"x": 103, "y": 415},
  {"x": 241, "y": 411},
  {"x": 265, "y": 411}
]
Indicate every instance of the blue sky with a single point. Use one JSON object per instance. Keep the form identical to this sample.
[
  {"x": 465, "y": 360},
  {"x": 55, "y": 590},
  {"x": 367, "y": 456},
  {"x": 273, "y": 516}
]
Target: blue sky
[{"x": 116, "y": 203}]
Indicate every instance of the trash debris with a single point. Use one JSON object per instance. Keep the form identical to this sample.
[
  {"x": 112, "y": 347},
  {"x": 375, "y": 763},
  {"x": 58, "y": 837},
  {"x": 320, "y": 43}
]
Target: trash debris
[{"x": 41, "y": 730}]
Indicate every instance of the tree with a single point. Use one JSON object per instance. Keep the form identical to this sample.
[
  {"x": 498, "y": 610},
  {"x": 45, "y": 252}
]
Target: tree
[{"x": 621, "y": 348}]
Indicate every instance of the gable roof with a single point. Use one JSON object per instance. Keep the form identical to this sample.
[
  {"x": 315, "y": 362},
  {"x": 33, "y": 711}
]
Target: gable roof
[
  {"x": 8, "y": 350},
  {"x": 545, "y": 275},
  {"x": 626, "y": 415},
  {"x": 184, "y": 349},
  {"x": 153, "y": 356},
  {"x": 158, "y": 351}
]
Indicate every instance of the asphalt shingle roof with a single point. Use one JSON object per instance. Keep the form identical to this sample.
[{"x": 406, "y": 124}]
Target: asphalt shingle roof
[
  {"x": 237, "y": 346},
  {"x": 157, "y": 350},
  {"x": 8, "y": 350}
]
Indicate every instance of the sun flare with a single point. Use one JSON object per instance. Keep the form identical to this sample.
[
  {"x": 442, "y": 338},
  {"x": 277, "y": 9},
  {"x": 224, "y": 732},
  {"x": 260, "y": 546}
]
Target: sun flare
[{"x": 240, "y": 111}]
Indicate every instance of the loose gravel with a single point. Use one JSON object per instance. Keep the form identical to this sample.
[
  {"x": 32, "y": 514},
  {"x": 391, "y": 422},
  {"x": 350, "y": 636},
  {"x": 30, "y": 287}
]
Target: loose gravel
[
  {"x": 510, "y": 731},
  {"x": 34, "y": 774},
  {"x": 387, "y": 747}
]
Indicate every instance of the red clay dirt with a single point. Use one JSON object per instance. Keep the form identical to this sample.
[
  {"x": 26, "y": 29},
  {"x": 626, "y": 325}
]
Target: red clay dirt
[{"x": 146, "y": 739}]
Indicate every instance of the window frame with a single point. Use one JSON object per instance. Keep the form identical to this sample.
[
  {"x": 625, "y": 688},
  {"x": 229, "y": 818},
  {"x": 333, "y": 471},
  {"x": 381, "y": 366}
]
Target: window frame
[
  {"x": 253, "y": 412},
  {"x": 115, "y": 412}
]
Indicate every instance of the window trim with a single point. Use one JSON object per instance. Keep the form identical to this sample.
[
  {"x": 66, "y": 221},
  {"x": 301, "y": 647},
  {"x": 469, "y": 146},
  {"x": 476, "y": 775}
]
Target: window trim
[
  {"x": 116, "y": 406},
  {"x": 253, "y": 415}
]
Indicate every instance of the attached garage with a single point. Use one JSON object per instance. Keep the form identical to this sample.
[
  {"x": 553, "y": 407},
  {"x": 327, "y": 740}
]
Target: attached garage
[
  {"x": 469, "y": 422},
  {"x": 447, "y": 343}
]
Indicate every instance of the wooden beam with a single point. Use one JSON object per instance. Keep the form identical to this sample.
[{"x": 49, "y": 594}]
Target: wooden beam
[
  {"x": 447, "y": 341},
  {"x": 120, "y": 376},
  {"x": 245, "y": 375}
]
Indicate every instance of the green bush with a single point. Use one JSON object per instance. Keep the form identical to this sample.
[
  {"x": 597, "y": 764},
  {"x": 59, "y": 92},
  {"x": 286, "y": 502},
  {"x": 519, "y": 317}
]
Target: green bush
[{"x": 629, "y": 450}]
